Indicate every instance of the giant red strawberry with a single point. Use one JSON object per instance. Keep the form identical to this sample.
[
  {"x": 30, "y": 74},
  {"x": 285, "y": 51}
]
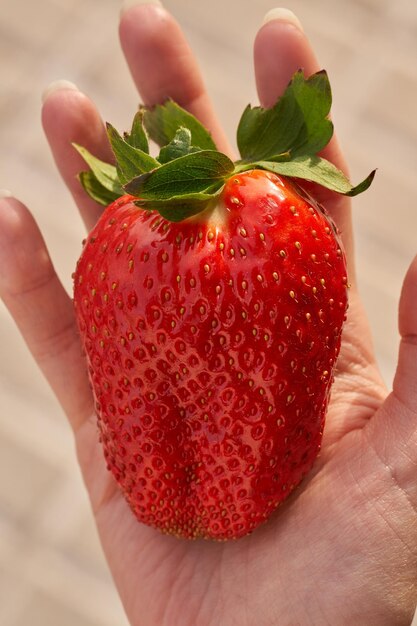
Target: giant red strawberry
[{"x": 210, "y": 299}]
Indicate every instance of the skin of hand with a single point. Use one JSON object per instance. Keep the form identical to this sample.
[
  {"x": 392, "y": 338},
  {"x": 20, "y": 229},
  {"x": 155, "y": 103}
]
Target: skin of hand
[{"x": 343, "y": 548}]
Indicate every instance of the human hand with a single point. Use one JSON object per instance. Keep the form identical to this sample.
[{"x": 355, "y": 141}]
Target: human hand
[{"x": 342, "y": 549}]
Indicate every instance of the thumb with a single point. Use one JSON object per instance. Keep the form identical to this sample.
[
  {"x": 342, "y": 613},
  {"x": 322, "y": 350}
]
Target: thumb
[
  {"x": 405, "y": 382},
  {"x": 392, "y": 432},
  {"x": 388, "y": 457}
]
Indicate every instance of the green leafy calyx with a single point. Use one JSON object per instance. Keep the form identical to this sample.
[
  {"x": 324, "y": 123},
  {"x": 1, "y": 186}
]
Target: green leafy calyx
[{"x": 189, "y": 173}]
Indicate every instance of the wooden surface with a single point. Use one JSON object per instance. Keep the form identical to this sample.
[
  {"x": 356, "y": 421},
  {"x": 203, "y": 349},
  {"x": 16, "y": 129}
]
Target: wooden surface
[{"x": 52, "y": 571}]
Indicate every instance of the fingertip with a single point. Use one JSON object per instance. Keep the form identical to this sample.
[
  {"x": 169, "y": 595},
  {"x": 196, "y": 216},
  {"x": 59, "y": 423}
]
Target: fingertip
[
  {"x": 143, "y": 17},
  {"x": 11, "y": 213},
  {"x": 15, "y": 222},
  {"x": 411, "y": 275},
  {"x": 62, "y": 105},
  {"x": 70, "y": 116},
  {"x": 284, "y": 16},
  {"x": 58, "y": 85},
  {"x": 127, "y": 5},
  {"x": 145, "y": 30},
  {"x": 22, "y": 248},
  {"x": 280, "y": 49}
]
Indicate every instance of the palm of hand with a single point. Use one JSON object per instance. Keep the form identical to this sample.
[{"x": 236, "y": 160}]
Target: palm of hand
[
  {"x": 332, "y": 552},
  {"x": 321, "y": 546}
]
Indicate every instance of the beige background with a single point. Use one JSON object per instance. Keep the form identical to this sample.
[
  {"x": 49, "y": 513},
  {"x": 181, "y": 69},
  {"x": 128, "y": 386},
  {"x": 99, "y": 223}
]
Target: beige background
[{"x": 52, "y": 572}]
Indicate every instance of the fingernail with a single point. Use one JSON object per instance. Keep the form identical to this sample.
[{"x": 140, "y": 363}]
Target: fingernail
[
  {"x": 58, "y": 85},
  {"x": 283, "y": 15},
  {"x": 5, "y": 193},
  {"x": 128, "y": 4}
]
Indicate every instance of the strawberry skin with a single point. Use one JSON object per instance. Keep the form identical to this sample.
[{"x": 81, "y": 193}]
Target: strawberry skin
[{"x": 211, "y": 345}]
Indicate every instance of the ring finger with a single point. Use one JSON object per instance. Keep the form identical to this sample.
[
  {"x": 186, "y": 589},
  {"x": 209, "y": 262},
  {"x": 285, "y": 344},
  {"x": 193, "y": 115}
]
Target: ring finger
[{"x": 281, "y": 48}]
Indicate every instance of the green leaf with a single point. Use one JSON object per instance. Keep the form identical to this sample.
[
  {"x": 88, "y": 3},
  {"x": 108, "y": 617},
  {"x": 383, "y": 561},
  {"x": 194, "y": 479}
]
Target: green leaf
[
  {"x": 181, "y": 207},
  {"x": 317, "y": 170},
  {"x": 105, "y": 173},
  {"x": 163, "y": 121},
  {"x": 130, "y": 161},
  {"x": 193, "y": 173},
  {"x": 96, "y": 190},
  {"x": 297, "y": 123},
  {"x": 178, "y": 147},
  {"x": 189, "y": 172},
  {"x": 137, "y": 137}
]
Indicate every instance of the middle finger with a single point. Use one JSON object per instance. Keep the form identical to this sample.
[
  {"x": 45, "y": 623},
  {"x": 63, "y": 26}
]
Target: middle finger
[{"x": 163, "y": 66}]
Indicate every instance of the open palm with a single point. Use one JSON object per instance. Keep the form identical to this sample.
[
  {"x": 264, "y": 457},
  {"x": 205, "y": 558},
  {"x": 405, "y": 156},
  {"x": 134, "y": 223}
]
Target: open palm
[{"x": 343, "y": 548}]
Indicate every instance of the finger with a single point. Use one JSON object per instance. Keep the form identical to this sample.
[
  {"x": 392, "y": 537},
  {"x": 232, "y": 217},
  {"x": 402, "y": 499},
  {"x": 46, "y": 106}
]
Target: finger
[
  {"x": 392, "y": 433},
  {"x": 44, "y": 315},
  {"x": 163, "y": 66},
  {"x": 405, "y": 382},
  {"x": 69, "y": 116},
  {"x": 281, "y": 48},
  {"x": 42, "y": 309}
]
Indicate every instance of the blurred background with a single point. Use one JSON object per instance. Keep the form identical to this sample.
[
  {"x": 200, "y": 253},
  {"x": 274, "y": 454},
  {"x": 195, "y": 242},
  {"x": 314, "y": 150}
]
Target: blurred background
[{"x": 52, "y": 571}]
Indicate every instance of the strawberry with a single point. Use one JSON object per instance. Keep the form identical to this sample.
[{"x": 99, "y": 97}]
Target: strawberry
[{"x": 210, "y": 299}]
